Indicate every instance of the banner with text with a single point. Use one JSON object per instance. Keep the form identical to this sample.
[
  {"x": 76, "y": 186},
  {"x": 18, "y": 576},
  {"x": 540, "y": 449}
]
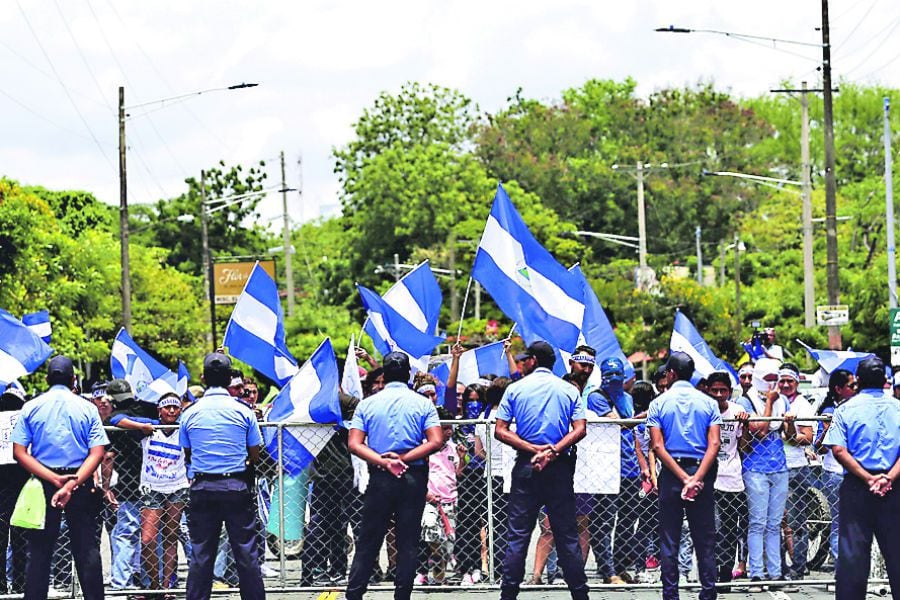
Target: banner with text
[{"x": 229, "y": 278}]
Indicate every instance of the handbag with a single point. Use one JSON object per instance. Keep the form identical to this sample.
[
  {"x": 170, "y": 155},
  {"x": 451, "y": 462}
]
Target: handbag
[{"x": 31, "y": 506}]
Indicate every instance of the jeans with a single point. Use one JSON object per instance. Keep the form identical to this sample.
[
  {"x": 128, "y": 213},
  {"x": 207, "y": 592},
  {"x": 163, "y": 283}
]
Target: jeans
[
  {"x": 126, "y": 544},
  {"x": 731, "y": 524},
  {"x": 766, "y": 499},
  {"x": 600, "y": 526},
  {"x": 830, "y": 484},
  {"x": 800, "y": 479}
]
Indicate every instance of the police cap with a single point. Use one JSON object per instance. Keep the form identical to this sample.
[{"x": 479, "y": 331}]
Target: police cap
[{"x": 120, "y": 391}]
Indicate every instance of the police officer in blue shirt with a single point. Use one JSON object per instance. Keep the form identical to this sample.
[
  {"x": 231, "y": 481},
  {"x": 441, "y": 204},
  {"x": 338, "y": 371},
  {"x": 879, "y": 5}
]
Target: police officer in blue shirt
[
  {"x": 394, "y": 431},
  {"x": 550, "y": 419},
  {"x": 684, "y": 434},
  {"x": 59, "y": 439},
  {"x": 865, "y": 438},
  {"x": 221, "y": 441}
]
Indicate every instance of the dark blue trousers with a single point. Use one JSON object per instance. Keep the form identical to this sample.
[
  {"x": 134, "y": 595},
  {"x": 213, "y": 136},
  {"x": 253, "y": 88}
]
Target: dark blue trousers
[
  {"x": 207, "y": 512},
  {"x": 12, "y": 478},
  {"x": 325, "y": 547},
  {"x": 864, "y": 515},
  {"x": 403, "y": 499},
  {"x": 530, "y": 490},
  {"x": 701, "y": 517},
  {"x": 82, "y": 512}
]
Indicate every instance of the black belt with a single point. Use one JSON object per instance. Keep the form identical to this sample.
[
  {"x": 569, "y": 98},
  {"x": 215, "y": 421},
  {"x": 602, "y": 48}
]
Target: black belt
[
  {"x": 220, "y": 476},
  {"x": 67, "y": 471},
  {"x": 688, "y": 462}
]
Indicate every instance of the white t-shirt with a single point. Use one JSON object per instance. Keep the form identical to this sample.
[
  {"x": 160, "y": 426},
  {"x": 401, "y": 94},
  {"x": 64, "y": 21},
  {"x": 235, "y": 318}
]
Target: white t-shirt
[
  {"x": 796, "y": 455},
  {"x": 8, "y": 420},
  {"x": 598, "y": 459},
  {"x": 493, "y": 446},
  {"x": 163, "y": 469},
  {"x": 729, "y": 478}
]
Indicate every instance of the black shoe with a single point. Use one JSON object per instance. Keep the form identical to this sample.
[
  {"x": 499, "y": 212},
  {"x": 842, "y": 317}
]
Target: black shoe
[{"x": 756, "y": 587}]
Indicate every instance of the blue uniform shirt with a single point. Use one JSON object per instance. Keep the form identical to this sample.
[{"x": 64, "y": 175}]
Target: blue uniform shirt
[
  {"x": 60, "y": 427},
  {"x": 543, "y": 407},
  {"x": 868, "y": 426},
  {"x": 218, "y": 432},
  {"x": 395, "y": 419},
  {"x": 684, "y": 414}
]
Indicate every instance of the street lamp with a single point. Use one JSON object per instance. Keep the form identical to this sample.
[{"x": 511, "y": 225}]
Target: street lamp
[
  {"x": 834, "y": 332},
  {"x": 123, "y": 185}
]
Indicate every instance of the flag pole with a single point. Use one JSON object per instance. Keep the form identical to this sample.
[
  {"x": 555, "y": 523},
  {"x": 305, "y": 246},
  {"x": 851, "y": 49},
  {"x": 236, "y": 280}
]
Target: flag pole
[
  {"x": 463, "y": 312},
  {"x": 508, "y": 337}
]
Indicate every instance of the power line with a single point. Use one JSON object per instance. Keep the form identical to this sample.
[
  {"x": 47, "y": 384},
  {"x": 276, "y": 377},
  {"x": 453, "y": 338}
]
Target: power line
[
  {"x": 892, "y": 27},
  {"x": 87, "y": 65},
  {"x": 860, "y": 22},
  {"x": 43, "y": 118}
]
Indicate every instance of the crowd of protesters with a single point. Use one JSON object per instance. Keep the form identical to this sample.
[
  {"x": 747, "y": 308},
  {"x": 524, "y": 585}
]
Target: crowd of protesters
[{"x": 773, "y": 449}]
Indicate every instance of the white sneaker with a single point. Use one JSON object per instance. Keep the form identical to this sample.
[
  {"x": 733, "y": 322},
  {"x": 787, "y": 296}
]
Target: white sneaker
[
  {"x": 421, "y": 579},
  {"x": 476, "y": 576},
  {"x": 467, "y": 580},
  {"x": 268, "y": 571},
  {"x": 55, "y": 593}
]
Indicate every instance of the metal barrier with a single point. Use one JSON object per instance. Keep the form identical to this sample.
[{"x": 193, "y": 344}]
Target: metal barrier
[{"x": 309, "y": 514}]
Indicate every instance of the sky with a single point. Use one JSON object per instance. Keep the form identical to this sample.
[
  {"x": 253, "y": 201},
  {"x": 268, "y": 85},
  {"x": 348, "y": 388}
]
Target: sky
[{"x": 319, "y": 64}]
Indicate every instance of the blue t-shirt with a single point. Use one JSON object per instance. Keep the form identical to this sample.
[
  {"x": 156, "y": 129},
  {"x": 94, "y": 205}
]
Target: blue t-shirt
[
  {"x": 218, "y": 432},
  {"x": 684, "y": 414},
  {"x": 60, "y": 427},
  {"x": 765, "y": 454},
  {"x": 543, "y": 407},
  {"x": 868, "y": 426},
  {"x": 395, "y": 419}
]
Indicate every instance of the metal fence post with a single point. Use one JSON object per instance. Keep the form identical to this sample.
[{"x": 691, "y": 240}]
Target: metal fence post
[
  {"x": 489, "y": 483},
  {"x": 281, "y": 541}
]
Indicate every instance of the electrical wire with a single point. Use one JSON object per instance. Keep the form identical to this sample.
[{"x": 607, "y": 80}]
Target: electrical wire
[
  {"x": 43, "y": 118},
  {"x": 892, "y": 27},
  {"x": 81, "y": 55},
  {"x": 860, "y": 22}
]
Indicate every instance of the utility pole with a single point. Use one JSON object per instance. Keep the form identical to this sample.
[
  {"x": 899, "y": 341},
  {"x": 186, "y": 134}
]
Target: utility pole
[
  {"x": 123, "y": 218},
  {"x": 809, "y": 294},
  {"x": 286, "y": 241},
  {"x": 889, "y": 206},
  {"x": 642, "y": 219},
  {"x": 834, "y": 294},
  {"x": 699, "y": 258},
  {"x": 454, "y": 293},
  {"x": 208, "y": 281},
  {"x": 737, "y": 281}
]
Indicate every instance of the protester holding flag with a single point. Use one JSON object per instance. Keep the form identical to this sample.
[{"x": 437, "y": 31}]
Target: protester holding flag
[
  {"x": 221, "y": 439},
  {"x": 59, "y": 439},
  {"x": 387, "y": 432}
]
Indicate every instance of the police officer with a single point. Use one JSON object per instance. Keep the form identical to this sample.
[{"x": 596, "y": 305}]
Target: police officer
[
  {"x": 550, "y": 419},
  {"x": 221, "y": 440},
  {"x": 59, "y": 439},
  {"x": 684, "y": 433},
  {"x": 865, "y": 438},
  {"x": 387, "y": 431}
]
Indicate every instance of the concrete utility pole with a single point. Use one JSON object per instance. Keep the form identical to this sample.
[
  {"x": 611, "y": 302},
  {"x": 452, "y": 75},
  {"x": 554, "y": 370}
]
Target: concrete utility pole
[
  {"x": 642, "y": 218},
  {"x": 123, "y": 218},
  {"x": 286, "y": 240},
  {"x": 207, "y": 263},
  {"x": 834, "y": 293},
  {"x": 889, "y": 206},
  {"x": 699, "y": 258}
]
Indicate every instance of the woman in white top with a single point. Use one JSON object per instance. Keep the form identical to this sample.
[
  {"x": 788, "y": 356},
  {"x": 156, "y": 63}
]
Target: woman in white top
[{"x": 164, "y": 493}]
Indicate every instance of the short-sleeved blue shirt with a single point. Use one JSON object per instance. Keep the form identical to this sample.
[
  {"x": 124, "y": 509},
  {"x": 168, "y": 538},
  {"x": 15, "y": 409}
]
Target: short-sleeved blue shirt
[
  {"x": 765, "y": 454},
  {"x": 218, "y": 432},
  {"x": 395, "y": 419},
  {"x": 60, "y": 427},
  {"x": 868, "y": 426},
  {"x": 684, "y": 414},
  {"x": 543, "y": 407}
]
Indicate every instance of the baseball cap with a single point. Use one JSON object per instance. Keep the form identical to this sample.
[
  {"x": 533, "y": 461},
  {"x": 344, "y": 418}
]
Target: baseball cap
[
  {"x": 61, "y": 366},
  {"x": 395, "y": 362},
  {"x": 870, "y": 369},
  {"x": 120, "y": 390},
  {"x": 679, "y": 361},
  {"x": 542, "y": 351},
  {"x": 522, "y": 356},
  {"x": 216, "y": 362}
]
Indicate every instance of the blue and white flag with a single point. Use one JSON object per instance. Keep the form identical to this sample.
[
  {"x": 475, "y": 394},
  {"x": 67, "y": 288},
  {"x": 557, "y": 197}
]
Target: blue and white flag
[
  {"x": 21, "y": 350},
  {"x": 311, "y": 396},
  {"x": 831, "y": 360},
  {"x": 473, "y": 364},
  {"x": 148, "y": 377},
  {"x": 406, "y": 317},
  {"x": 39, "y": 323},
  {"x": 686, "y": 338},
  {"x": 525, "y": 281},
  {"x": 596, "y": 330},
  {"x": 350, "y": 381},
  {"x": 255, "y": 331}
]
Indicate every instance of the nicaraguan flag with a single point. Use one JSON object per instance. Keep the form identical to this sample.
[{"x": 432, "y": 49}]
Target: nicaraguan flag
[
  {"x": 406, "y": 317},
  {"x": 255, "y": 332},
  {"x": 184, "y": 377},
  {"x": 350, "y": 381},
  {"x": 473, "y": 364},
  {"x": 148, "y": 377},
  {"x": 830, "y": 360},
  {"x": 686, "y": 338},
  {"x": 311, "y": 396},
  {"x": 525, "y": 281},
  {"x": 21, "y": 350},
  {"x": 39, "y": 323},
  {"x": 596, "y": 330}
]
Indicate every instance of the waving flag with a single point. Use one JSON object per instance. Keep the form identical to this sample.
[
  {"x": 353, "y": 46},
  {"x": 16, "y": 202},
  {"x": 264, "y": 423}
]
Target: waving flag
[
  {"x": 686, "y": 338},
  {"x": 148, "y": 377},
  {"x": 489, "y": 359},
  {"x": 596, "y": 330},
  {"x": 39, "y": 323},
  {"x": 525, "y": 281},
  {"x": 21, "y": 350},
  {"x": 255, "y": 332},
  {"x": 754, "y": 348},
  {"x": 406, "y": 317},
  {"x": 350, "y": 381},
  {"x": 311, "y": 396},
  {"x": 831, "y": 360}
]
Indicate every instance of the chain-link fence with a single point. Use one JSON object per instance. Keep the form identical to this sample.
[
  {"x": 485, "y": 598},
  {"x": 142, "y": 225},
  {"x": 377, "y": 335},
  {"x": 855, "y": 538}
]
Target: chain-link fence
[{"x": 776, "y": 512}]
